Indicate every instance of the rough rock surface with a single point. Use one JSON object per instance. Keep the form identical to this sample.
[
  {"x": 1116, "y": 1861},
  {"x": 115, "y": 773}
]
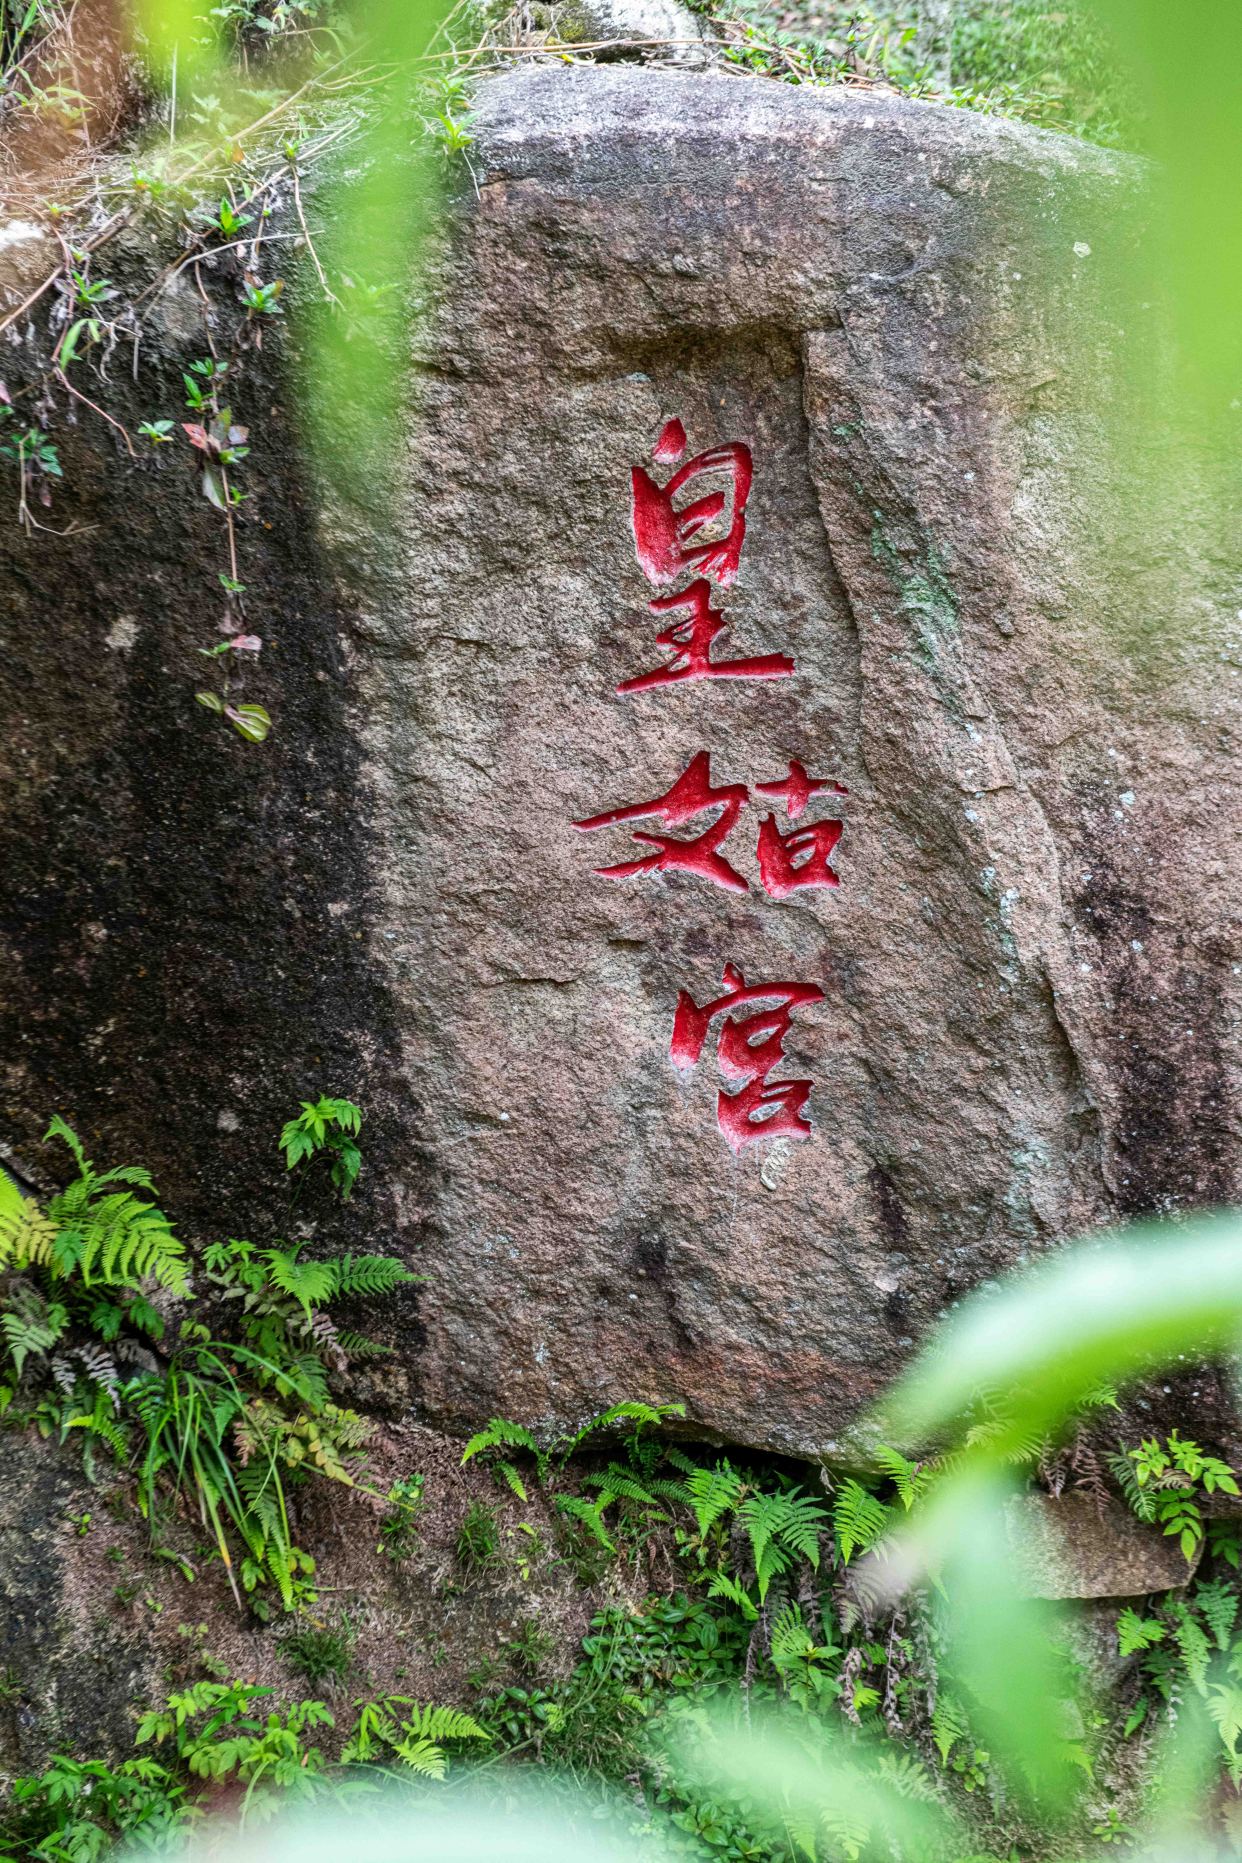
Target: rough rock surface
[
  {"x": 1077, "y": 1546},
  {"x": 1027, "y": 964},
  {"x": 908, "y": 315}
]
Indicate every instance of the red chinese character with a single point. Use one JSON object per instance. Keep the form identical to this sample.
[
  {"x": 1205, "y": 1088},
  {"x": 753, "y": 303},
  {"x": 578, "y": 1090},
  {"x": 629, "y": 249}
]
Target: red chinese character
[
  {"x": 803, "y": 857},
  {"x": 747, "y": 1050},
  {"x": 797, "y": 788},
  {"x": 689, "y": 641},
  {"x": 690, "y": 795},
  {"x": 665, "y": 537}
]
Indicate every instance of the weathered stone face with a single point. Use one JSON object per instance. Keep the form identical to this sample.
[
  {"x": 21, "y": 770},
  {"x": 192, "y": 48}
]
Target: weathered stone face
[
  {"x": 1014, "y": 1015},
  {"x": 889, "y": 305}
]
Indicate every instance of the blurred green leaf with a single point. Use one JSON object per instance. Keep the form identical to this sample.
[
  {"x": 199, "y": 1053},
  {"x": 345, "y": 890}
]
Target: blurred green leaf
[
  {"x": 1184, "y": 64},
  {"x": 1098, "y": 1314},
  {"x": 358, "y": 367}
]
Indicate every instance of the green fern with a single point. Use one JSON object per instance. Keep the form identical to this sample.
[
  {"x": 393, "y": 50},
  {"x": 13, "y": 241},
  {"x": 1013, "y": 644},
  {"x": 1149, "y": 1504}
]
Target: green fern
[
  {"x": 1224, "y": 1704},
  {"x": 358, "y": 1345},
  {"x": 780, "y": 1527},
  {"x": 436, "y": 1723},
  {"x": 1137, "y": 1498},
  {"x": 31, "y": 1326},
  {"x": 724, "y": 1585},
  {"x": 501, "y": 1433},
  {"x": 911, "y": 1479},
  {"x": 908, "y": 1776},
  {"x": 415, "y": 1738},
  {"x": 309, "y": 1283},
  {"x": 799, "y": 1660},
  {"x": 847, "y": 1833},
  {"x": 713, "y": 1492},
  {"x": 642, "y": 1416},
  {"x": 618, "y": 1484},
  {"x": 948, "y": 1726},
  {"x": 1218, "y": 1600},
  {"x": 1138, "y": 1633},
  {"x": 100, "y": 1422},
  {"x": 26, "y": 1234},
  {"x": 1191, "y": 1640},
  {"x": 589, "y": 1514},
  {"x": 859, "y": 1520},
  {"x": 111, "y": 1239},
  {"x": 799, "y": 1522},
  {"x": 369, "y": 1274}
]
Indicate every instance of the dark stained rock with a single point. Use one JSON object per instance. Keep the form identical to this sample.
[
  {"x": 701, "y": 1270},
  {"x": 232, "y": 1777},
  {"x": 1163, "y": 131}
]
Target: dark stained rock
[{"x": 1021, "y": 1023}]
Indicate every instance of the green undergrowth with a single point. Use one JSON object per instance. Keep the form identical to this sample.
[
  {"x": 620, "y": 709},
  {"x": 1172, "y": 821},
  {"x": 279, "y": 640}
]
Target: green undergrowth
[
  {"x": 773, "y": 1597},
  {"x": 1050, "y": 66},
  {"x": 207, "y": 1385},
  {"x": 211, "y": 1382}
]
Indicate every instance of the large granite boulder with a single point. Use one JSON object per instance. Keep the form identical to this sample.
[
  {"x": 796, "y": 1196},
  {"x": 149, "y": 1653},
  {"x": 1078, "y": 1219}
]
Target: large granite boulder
[{"x": 875, "y": 347}]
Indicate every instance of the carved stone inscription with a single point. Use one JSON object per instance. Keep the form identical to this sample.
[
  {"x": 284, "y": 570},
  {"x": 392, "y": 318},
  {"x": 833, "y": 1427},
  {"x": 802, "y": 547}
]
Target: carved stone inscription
[{"x": 688, "y": 537}]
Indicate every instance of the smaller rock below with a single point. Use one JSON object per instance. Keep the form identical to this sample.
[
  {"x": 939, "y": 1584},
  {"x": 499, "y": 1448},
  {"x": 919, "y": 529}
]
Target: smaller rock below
[{"x": 1073, "y": 1548}]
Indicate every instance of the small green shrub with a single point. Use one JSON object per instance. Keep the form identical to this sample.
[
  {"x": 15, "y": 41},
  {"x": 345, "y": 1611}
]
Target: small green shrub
[
  {"x": 398, "y": 1534},
  {"x": 319, "y": 1651},
  {"x": 325, "y": 1128},
  {"x": 478, "y": 1538}
]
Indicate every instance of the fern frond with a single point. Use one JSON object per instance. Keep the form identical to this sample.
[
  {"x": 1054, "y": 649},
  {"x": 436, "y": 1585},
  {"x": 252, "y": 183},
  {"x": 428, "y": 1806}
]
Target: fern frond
[
  {"x": 142, "y": 1314},
  {"x": 948, "y": 1726},
  {"x": 31, "y": 1326},
  {"x": 799, "y": 1523},
  {"x": 1196, "y": 1651},
  {"x": 423, "y": 1757},
  {"x": 1138, "y": 1500},
  {"x": 1218, "y": 1601},
  {"x": 119, "y": 1241},
  {"x": 58, "y": 1128},
  {"x": 617, "y": 1483},
  {"x": 713, "y": 1492},
  {"x": 724, "y": 1585},
  {"x": 642, "y": 1416},
  {"x": 911, "y": 1479},
  {"x": 791, "y": 1641},
  {"x": 761, "y": 1515},
  {"x": 369, "y": 1274},
  {"x": 858, "y": 1518},
  {"x": 302, "y": 1374},
  {"x": 501, "y": 1433},
  {"x": 589, "y": 1513},
  {"x": 310, "y": 1283},
  {"x": 349, "y": 1430},
  {"x": 100, "y": 1422},
  {"x": 1137, "y": 1633},
  {"x": 908, "y": 1776},
  {"x": 512, "y": 1480},
  {"x": 259, "y": 1485},
  {"x": 430, "y": 1722},
  {"x": 358, "y": 1345},
  {"x": 1225, "y": 1707},
  {"x": 26, "y": 1233}
]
